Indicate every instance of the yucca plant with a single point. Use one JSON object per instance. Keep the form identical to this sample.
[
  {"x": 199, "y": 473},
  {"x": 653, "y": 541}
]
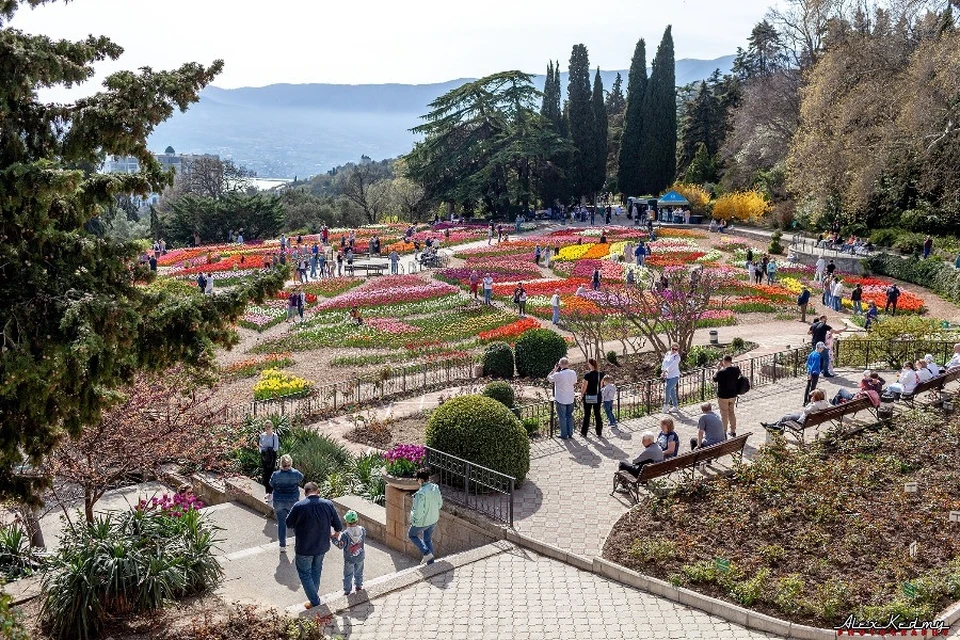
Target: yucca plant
[
  {"x": 368, "y": 479},
  {"x": 17, "y": 558},
  {"x": 130, "y": 562}
]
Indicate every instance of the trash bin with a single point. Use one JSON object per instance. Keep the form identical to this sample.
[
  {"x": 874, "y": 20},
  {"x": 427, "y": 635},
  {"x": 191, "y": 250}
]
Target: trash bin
[{"x": 714, "y": 337}]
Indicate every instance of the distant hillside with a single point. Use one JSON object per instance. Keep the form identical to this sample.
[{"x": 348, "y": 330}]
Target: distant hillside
[{"x": 285, "y": 130}]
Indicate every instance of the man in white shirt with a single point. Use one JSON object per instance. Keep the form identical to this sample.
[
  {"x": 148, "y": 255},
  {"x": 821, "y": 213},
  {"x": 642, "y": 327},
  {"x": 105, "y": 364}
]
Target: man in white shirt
[
  {"x": 837, "y": 295},
  {"x": 955, "y": 360},
  {"x": 671, "y": 374},
  {"x": 487, "y": 289},
  {"x": 821, "y": 265},
  {"x": 555, "y": 306},
  {"x": 564, "y": 382},
  {"x": 932, "y": 366}
]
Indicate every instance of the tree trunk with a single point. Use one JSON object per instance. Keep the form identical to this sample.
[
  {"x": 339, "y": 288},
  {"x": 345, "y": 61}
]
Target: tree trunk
[
  {"x": 32, "y": 524},
  {"x": 88, "y": 502}
]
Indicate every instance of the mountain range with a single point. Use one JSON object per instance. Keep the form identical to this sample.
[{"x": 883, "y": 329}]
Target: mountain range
[{"x": 285, "y": 130}]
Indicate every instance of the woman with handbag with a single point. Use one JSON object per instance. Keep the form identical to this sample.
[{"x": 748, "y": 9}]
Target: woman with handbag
[{"x": 590, "y": 392}]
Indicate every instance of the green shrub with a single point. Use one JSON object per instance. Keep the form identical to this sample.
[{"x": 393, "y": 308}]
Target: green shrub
[
  {"x": 943, "y": 278},
  {"x": 738, "y": 344},
  {"x": 702, "y": 356},
  {"x": 751, "y": 591},
  {"x": 775, "y": 247},
  {"x": 481, "y": 430},
  {"x": 11, "y": 627},
  {"x": 502, "y": 392},
  {"x": 315, "y": 455},
  {"x": 498, "y": 360},
  {"x": 532, "y": 426},
  {"x": 789, "y": 593},
  {"x": 613, "y": 358},
  {"x": 130, "y": 562},
  {"x": 17, "y": 557},
  {"x": 886, "y": 237},
  {"x": 538, "y": 351},
  {"x": 658, "y": 549}
]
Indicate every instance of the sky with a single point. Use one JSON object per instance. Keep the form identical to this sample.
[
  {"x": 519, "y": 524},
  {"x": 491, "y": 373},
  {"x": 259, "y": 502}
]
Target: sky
[{"x": 376, "y": 41}]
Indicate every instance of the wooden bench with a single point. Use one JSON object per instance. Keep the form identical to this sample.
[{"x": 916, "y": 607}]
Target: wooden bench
[
  {"x": 935, "y": 385},
  {"x": 378, "y": 269},
  {"x": 833, "y": 414},
  {"x": 687, "y": 463}
]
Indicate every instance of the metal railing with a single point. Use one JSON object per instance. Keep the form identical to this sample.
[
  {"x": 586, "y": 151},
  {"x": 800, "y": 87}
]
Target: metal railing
[
  {"x": 375, "y": 387},
  {"x": 889, "y": 354},
  {"x": 646, "y": 397},
  {"x": 473, "y": 486}
]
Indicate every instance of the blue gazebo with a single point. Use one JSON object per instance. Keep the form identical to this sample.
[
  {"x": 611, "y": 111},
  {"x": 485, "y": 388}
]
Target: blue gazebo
[{"x": 672, "y": 199}]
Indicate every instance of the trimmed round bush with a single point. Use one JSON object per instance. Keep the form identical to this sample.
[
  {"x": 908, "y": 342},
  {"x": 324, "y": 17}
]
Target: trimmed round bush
[
  {"x": 538, "y": 351},
  {"x": 483, "y": 431},
  {"x": 501, "y": 392},
  {"x": 498, "y": 360}
]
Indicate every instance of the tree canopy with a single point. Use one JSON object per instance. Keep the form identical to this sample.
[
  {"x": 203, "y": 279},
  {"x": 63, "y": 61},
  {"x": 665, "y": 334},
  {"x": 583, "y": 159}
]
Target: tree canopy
[
  {"x": 485, "y": 144},
  {"x": 77, "y": 315}
]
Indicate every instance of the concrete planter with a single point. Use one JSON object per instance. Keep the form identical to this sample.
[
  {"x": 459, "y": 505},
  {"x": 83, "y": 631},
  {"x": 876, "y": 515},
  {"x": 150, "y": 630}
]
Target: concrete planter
[{"x": 404, "y": 484}]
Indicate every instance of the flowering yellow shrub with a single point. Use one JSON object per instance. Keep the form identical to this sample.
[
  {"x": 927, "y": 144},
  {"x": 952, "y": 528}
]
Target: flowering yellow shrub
[
  {"x": 741, "y": 205},
  {"x": 697, "y": 196},
  {"x": 274, "y": 383}
]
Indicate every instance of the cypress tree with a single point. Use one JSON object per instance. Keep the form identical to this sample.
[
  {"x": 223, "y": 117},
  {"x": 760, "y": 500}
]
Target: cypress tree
[
  {"x": 581, "y": 131},
  {"x": 551, "y": 98},
  {"x": 600, "y": 126},
  {"x": 628, "y": 167},
  {"x": 658, "y": 142}
]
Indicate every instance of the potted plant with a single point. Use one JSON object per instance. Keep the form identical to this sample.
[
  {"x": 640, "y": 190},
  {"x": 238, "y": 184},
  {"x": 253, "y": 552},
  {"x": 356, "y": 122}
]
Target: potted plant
[{"x": 403, "y": 460}]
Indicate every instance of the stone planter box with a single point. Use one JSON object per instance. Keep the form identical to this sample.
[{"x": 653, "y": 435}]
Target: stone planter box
[{"x": 404, "y": 484}]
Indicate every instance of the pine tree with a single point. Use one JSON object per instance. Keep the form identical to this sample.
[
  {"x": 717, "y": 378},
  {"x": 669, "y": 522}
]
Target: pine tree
[
  {"x": 600, "y": 126},
  {"x": 628, "y": 167},
  {"x": 582, "y": 130},
  {"x": 615, "y": 101},
  {"x": 80, "y": 316},
  {"x": 658, "y": 143},
  {"x": 703, "y": 167},
  {"x": 702, "y": 125}
]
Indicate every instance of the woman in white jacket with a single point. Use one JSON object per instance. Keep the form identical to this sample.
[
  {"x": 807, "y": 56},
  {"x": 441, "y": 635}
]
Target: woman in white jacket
[{"x": 907, "y": 382}]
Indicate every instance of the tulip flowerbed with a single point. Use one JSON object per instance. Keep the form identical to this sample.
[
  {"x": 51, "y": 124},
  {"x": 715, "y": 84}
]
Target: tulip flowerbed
[
  {"x": 331, "y": 287},
  {"x": 274, "y": 384},
  {"x": 252, "y": 366},
  {"x": 387, "y": 290},
  {"x": 261, "y": 317}
]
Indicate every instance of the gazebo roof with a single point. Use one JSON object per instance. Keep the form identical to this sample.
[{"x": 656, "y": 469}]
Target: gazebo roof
[{"x": 672, "y": 197}]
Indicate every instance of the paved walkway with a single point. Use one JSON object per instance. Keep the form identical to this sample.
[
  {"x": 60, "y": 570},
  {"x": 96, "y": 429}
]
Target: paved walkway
[
  {"x": 565, "y": 499},
  {"x": 519, "y": 595}
]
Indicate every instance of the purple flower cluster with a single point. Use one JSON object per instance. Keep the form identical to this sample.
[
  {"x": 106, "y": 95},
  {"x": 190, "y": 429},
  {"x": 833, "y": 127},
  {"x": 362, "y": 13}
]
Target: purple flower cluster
[
  {"x": 171, "y": 505},
  {"x": 404, "y": 459}
]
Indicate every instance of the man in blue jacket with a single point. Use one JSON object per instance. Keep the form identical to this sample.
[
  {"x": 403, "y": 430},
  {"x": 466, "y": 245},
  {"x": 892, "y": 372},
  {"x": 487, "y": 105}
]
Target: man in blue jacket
[
  {"x": 313, "y": 518},
  {"x": 814, "y": 363}
]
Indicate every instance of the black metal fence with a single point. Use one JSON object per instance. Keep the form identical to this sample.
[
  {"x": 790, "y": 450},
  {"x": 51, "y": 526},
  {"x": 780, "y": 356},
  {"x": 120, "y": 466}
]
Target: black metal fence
[
  {"x": 646, "y": 397},
  {"x": 372, "y": 388},
  {"x": 472, "y": 486},
  {"x": 889, "y": 354}
]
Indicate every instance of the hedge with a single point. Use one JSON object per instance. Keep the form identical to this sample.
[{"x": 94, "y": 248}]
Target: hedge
[
  {"x": 934, "y": 274},
  {"x": 483, "y": 431},
  {"x": 502, "y": 392},
  {"x": 498, "y": 360},
  {"x": 538, "y": 351}
]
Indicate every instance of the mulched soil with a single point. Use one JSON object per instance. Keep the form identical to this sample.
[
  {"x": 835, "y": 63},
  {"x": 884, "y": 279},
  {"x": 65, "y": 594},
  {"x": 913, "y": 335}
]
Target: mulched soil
[{"x": 814, "y": 534}]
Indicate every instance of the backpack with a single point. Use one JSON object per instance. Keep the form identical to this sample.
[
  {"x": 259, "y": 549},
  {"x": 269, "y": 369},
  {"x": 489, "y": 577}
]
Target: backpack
[{"x": 743, "y": 385}]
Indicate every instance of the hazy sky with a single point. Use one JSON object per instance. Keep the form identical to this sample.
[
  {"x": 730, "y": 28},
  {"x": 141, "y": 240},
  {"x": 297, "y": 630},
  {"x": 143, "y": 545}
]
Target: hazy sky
[{"x": 373, "y": 41}]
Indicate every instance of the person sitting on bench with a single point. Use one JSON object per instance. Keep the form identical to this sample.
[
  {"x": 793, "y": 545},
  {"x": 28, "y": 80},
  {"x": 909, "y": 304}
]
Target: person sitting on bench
[
  {"x": 710, "y": 428},
  {"x": 651, "y": 453},
  {"x": 907, "y": 382},
  {"x": 867, "y": 389},
  {"x": 817, "y": 403}
]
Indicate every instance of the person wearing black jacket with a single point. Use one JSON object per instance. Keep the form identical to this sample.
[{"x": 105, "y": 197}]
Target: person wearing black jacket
[
  {"x": 802, "y": 301},
  {"x": 727, "y": 378}
]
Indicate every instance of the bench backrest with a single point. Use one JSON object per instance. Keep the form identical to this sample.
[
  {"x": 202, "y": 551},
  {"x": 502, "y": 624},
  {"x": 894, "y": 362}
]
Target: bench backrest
[
  {"x": 691, "y": 458},
  {"x": 828, "y": 415},
  {"x": 938, "y": 382}
]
